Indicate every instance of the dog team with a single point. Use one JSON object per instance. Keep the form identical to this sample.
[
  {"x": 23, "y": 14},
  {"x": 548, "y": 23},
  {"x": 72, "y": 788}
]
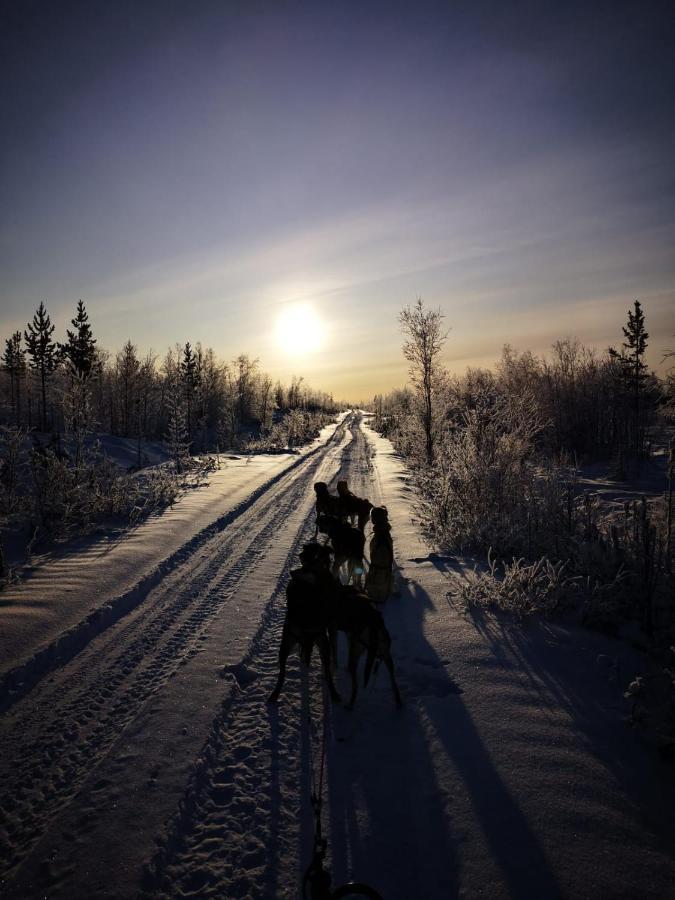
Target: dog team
[{"x": 319, "y": 605}]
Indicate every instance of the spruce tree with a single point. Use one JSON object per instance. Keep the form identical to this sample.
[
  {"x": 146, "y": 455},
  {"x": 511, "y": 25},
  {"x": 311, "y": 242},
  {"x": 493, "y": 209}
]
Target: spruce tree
[
  {"x": 127, "y": 370},
  {"x": 190, "y": 376},
  {"x": 42, "y": 352},
  {"x": 634, "y": 370},
  {"x": 14, "y": 363},
  {"x": 80, "y": 348},
  {"x": 636, "y": 341},
  {"x": 176, "y": 440}
]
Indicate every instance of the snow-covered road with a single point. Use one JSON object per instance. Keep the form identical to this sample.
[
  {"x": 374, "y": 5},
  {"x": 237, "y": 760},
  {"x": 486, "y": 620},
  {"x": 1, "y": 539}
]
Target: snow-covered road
[{"x": 150, "y": 762}]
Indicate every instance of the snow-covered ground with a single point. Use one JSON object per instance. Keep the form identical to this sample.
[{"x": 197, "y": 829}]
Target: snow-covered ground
[
  {"x": 112, "y": 572},
  {"x": 142, "y": 756}
]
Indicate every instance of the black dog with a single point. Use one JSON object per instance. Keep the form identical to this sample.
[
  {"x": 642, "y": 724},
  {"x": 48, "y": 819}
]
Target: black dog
[
  {"x": 348, "y": 545},
  {"x": 351, "y": 612},
  {"x": 327, "y": 504},
  {"x": 355, "y": 507},
  {"x": 305, "y": 624}
]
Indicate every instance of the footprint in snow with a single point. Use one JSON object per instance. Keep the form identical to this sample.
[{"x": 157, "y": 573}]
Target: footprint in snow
[{"x": 241, "y": 673}]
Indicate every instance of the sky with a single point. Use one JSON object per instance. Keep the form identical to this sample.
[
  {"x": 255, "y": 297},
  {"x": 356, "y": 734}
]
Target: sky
[{"x": 198, "y": 170}]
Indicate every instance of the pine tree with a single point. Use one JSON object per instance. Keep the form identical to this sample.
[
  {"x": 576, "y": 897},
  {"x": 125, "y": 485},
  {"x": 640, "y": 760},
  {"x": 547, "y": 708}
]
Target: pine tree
[
  {"x": 14, "y": 363},
  {"x": 128, "y": 367},
  {"x": 80, "y": 348},
  {"x": 190, "y": 376},
  {"x": 42, "y": 352},
  {"x": 633, "y": 369},
  {"x": 177, "y": 442}
]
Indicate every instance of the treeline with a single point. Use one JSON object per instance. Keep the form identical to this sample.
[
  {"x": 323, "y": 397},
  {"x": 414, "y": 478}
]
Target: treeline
[
  {"x": 58, "y": 400},
  {"x": 496, "y": 458},
  {"x": 582, "y": 403},
  {"x": 188, "y": 396}
]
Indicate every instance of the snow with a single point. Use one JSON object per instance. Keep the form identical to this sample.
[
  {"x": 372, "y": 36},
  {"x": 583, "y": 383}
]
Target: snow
[
  {"x": 102, "y": 572},
  {"x": 150, "y": 761}
]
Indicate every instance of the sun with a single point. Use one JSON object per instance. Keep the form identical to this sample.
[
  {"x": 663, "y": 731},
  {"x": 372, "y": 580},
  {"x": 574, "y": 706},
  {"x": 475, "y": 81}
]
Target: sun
[{"x": 299, "y": 330}]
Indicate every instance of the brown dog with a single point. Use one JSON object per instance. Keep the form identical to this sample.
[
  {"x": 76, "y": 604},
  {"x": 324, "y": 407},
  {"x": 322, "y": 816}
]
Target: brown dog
[{"x": 356, "y": 508}]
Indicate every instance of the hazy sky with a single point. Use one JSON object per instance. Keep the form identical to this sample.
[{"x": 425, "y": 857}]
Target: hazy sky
[{"x": 193, "y": 169}]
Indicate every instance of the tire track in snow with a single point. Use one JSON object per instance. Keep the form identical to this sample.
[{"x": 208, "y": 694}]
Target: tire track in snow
[
  {"x": 20, "y": 680},
  {"x": 235, "y": 834},
  {"x": 54, "y": 739}
]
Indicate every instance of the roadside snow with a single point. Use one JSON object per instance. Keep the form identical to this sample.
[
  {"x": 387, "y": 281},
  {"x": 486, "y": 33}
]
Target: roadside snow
[
  {"x": 512, "y": 771},
  {"x": 62, "y": 588}
]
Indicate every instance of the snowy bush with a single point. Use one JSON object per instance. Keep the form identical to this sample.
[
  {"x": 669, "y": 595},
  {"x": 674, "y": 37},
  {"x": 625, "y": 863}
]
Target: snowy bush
[
  {"x": 520, "y": 588},
  {"x": 296, "y": 428},
  {"x": 479, "y": 492}
]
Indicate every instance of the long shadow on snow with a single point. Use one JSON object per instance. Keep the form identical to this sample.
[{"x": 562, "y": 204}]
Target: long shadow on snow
[
  {"x": 584, "y": 673},
  {"x": 402, "y": 841}
]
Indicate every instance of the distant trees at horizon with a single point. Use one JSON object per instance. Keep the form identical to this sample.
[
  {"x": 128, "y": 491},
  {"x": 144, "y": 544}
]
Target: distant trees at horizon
[
  {"x": 62, "y": 387},
  {"x": 590, "y": 403},
  {"x": 504, "y": 476}
]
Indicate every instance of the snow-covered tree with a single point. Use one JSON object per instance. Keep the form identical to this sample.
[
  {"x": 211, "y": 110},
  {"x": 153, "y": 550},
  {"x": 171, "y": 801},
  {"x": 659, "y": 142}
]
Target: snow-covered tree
[{"x": 424, "y": 339}]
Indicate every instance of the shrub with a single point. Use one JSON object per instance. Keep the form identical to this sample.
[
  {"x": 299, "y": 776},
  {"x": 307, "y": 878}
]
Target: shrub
[{"x": 520, "y": 588}]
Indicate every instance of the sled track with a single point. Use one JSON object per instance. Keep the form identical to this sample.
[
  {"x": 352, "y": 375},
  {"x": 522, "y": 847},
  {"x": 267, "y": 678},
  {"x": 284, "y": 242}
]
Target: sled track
[
  {"x": 70, "y": 721},
  {"x": 17, "y": 682},
  {"x": 206, "y": 847}
]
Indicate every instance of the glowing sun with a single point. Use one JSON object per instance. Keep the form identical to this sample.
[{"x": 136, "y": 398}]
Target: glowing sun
[{"x": 299, "y": 330}]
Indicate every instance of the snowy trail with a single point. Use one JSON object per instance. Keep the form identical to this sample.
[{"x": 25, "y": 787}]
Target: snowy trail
[
  {"x": 48, "y": 617},
  {"x": 53, "y": 740},
  {"x": 510, "y": 772},
  {"x": 246, "y": 826},
  {"x": 152, "y": 764}
]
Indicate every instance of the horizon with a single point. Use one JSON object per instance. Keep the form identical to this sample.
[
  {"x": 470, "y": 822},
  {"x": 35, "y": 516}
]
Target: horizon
[
  {"x": 195, "y": 175},
  {"x": 398, "y": 368}
]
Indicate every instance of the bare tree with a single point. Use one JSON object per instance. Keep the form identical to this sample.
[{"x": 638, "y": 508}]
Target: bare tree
[{"x": 424, "y": 339}]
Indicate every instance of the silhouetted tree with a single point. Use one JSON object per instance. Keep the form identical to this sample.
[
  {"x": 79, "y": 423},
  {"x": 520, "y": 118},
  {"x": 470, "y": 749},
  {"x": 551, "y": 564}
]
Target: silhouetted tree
[
  {"x": 189, "y": 374},
  {"x": 80, "y": 347},
  {"x": 42, "y": 352},
  {"x": 633, "y": 370},
  {"x": 177, "y": 438},
  {"x": 14, "y": 363},
  {"x": 127, "y": 367}
]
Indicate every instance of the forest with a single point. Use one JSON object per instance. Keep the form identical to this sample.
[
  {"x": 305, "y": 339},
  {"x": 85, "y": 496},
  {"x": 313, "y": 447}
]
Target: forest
[
  {"x": 64, "y": 403},
  {"x": 557, "y": 473}
]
